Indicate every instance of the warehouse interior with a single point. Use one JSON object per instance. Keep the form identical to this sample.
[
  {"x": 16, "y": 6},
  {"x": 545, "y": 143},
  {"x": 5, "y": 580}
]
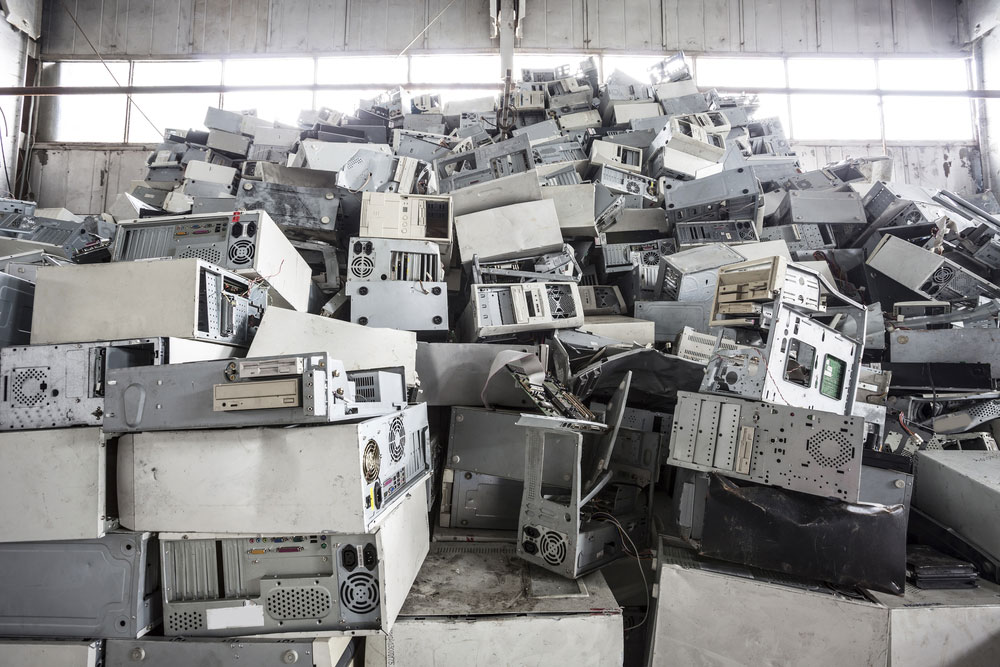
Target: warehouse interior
[{"x": 499, "y": 332}]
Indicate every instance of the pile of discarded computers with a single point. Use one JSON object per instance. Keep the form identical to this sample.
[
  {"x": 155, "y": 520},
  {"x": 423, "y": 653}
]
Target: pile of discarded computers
[{"x": 583, "y": 373}]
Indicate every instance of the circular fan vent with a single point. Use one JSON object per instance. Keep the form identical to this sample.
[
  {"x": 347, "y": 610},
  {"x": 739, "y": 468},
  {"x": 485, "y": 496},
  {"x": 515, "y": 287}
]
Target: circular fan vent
[
  {"x": 830, "y": 448},
  {"x": 362, "y": 267},
  {"x": 30, "y": 386},
  {"x": 209, "y": 254},
  {"x": 372, "y": 462},
  {"x": 651, "y": 258},
  {"x": 747, "y": 234},
  {"x": 633, "y": 187},
  {"x": 299, "y": 602},
  {"x": 552, "y": 547},
  {"x": 241, "y": 252},
  {"x": 397, "y": 439},
  {"x": 943, "y": 275},
  {"x": 359, "y": 593}
]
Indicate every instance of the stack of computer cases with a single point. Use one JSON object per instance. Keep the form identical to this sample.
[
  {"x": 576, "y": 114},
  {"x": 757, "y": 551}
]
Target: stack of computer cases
[{"x": 162, "y": 479}]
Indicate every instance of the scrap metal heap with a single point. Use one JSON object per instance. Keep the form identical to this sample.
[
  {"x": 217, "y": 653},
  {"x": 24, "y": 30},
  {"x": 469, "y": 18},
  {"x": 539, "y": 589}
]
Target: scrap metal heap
[{"x": 566, "y": 333}]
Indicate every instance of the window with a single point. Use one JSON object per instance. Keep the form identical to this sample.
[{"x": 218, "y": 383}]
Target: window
[
  {"x": 83, "y": 118},
  {"x": 743, "y": 73},
  {"x": 169, "y": 111},
  {"x": 853, "y": 116},
  {"x": 455, "y": 69},
  {"x": 869, "y": 109},
  {"x": 846, "y": 74},
  {"x": 836, "y": 118}
]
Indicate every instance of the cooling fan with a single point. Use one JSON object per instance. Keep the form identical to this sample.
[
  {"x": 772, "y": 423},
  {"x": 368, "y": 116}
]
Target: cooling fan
[
  {"x": 371, "y": 461},
  {"x": 397, "y": 439},
  {"x": 359, "y": 593},
  {"x": 552, "y": 547},
  {"x": 241, "y": 252},
  {"x": 362, "y": 266}
]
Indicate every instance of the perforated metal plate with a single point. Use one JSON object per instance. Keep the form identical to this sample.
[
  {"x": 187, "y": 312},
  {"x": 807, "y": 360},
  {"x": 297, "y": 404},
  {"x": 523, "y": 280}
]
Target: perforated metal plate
[{"x": 794, "y": 448}]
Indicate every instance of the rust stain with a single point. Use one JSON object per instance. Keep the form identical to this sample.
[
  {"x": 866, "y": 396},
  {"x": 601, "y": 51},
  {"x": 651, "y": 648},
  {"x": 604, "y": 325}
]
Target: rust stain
[{"x": 43, "y": 157}]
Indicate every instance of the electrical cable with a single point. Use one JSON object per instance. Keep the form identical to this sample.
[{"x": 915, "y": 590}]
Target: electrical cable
[{"x": 642, "y": 571}]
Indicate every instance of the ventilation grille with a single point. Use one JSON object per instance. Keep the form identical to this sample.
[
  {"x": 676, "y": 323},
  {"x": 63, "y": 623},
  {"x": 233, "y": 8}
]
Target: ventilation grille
[
  {"x": 561, "y": 302},
  {"x": 397, "y": 439},
  {"x": 241, "y": 252},
  {"x": 372, "y": 462},
  {"x": 830, "y": 448},
  {"x": 299, "y": 602},
  {"x": 52, "y": 235},
  {"x": 943, "y": 274},
  {"x": 207, "y": 253},
  {"x": 29, "y": 386},
  {"x": 365, "y": 387},
  {"x": 359, "y": 593},
  {"x": 181, "y": 622},
  {"x": 552, "y": 548},
  {"x": 362, "y": 266}
]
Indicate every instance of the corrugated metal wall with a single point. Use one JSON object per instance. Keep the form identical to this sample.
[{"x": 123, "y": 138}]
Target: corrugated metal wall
[
  {"x": 171, "y": 28},
  {"x": 86, "y": 179}
]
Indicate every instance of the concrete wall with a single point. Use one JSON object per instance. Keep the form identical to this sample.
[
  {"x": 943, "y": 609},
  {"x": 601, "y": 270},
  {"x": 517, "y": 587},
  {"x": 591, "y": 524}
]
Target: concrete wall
[{"x": 172, "y": 28}]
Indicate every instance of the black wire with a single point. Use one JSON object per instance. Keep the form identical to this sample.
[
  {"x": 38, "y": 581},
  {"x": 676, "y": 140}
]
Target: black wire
[{"x": 3, "y": 152}]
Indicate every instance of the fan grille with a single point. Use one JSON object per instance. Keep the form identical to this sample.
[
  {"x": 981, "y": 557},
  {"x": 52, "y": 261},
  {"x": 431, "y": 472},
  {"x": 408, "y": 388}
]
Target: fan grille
[
  {"x": 362, "y": 266},
  {"x": 397, "y": 439},
  {"x": 29, "y": 386},
  {"x": 560, "y": 302},
  {"x": 552, "y": 548},
  {"x": 241, "y": 252},
  {"x": 359, "y": 593},
  {"x": 372, "y": 462},
  {"x": 830, "y": 449}
]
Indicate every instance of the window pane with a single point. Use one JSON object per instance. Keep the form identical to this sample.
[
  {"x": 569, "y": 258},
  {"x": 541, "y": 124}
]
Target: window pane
[
  {"x": 181, "y": 112},
  {"x": 923, "y": 74},
  {"x": 269, "y": 71},
  {"x": 636, "y": 67},
  {"x": 181, "y": 73},
  {"x": 774, "y": 105},
  {"x": 909, "y": 118},
  {"x": 744, "y": 73},
  {"x": 361, "y": 70},
  {"x": 455, "y": 69},
  {"x": 855, "y": 73},
  {"x": 283, "y": 107},
  {"x": 345, "y": 101},
  {"x": 836, "y": 117},
  {"x": 88, "y": 117}
]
